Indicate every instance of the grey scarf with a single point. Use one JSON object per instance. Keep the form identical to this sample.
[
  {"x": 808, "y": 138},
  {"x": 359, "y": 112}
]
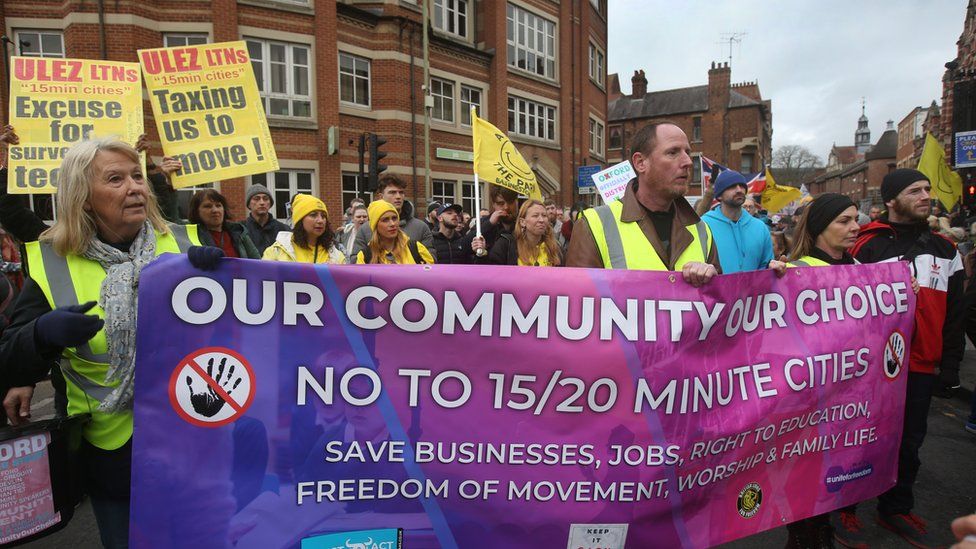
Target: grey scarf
[{"x": 118, "y": 298}]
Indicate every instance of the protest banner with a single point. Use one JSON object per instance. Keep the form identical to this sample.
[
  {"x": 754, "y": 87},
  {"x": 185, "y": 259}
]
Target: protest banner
[
  {"x": 283, "y": 404},
  {"x": 208, "y": 111},
  {"x": 55, "y": 103},
  {"x": 28, "y": 500},
  {"x": 612, "y": 182}
]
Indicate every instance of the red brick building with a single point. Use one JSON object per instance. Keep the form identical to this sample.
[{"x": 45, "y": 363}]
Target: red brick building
[
  {"x": 729, "y": 123},
  {"x": 858, "y": 176},
  {"x": 911, "y": 134},
  {"x": 534, "y": 68}
]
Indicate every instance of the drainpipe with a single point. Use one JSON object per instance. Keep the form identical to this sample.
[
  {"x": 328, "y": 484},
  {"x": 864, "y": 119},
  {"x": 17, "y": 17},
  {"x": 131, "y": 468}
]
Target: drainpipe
[
  {"x": 427, "y": 99},
  {"x": 101, "y": 29},
  {"x": 413, "y": 118}
]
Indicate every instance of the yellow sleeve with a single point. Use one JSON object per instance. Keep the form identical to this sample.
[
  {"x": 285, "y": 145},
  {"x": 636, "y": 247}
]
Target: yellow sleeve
[
  {"x": 360, "y": 258},
  {"x": 271, "y": 253},
  {"x": 425, "y": 254}
]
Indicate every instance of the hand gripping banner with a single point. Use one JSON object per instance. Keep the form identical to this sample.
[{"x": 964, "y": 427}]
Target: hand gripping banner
[{"x": 284, "y": 405}]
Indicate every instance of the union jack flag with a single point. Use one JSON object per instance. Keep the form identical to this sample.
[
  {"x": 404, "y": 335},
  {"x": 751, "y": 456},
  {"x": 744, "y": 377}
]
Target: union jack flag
[
  {"x": 709, "y": 169},
  {"x": 757, "y": 182}
]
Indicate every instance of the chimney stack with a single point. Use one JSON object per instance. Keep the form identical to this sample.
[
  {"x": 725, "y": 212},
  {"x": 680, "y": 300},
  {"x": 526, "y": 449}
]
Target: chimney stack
[{"x": 638, "y": 85}]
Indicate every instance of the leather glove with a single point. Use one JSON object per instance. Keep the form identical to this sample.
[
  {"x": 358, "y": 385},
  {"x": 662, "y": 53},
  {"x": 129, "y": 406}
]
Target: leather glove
[
  {"x": 204, "y": 257},
  {"x": 67, "y": 326}
]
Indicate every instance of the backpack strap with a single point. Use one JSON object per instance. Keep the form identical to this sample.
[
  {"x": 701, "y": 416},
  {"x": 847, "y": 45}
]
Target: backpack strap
[{"x": 415, "y": 252}]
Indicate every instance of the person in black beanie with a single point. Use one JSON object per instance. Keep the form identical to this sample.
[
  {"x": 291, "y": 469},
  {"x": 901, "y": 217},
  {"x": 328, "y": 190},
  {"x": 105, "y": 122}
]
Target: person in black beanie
[{"x": 937, "y": 342}]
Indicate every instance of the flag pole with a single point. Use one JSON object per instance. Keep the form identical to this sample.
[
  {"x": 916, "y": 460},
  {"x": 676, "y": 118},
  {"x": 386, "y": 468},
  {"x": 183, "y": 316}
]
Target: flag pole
[{"x": 477, "y": 189}]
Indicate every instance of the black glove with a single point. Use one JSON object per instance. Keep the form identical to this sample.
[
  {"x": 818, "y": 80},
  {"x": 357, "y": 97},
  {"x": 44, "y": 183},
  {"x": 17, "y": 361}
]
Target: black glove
[
  {"x": 67, "y": 326},
  {"x": 204, "y": 257},
  {"x": 948, "y": 380}
]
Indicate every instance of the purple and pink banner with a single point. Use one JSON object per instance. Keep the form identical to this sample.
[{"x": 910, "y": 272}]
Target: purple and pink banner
[{"x": 284, "y": 405}]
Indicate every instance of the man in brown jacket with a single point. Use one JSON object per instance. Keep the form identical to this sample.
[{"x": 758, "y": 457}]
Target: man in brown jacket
[{"x": 654, "y": 200}]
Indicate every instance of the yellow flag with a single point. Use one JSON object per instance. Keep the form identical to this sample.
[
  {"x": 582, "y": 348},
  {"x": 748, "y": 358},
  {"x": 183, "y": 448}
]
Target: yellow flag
[
  {"x": 775, "y": 198},
  {"x": 946, "y": 184},
  {"x": 497, "y": 161}
]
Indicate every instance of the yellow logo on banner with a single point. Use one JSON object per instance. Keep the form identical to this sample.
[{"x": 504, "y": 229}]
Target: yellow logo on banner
[
  {"x": 55, "y": 103},
  {"x": 208, "y": 111}
]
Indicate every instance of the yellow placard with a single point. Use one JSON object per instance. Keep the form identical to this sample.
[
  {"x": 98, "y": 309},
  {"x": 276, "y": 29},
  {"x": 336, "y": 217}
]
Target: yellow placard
[
  {"x": 55, "y": 103},
  {"x": 208, "y": 111}
]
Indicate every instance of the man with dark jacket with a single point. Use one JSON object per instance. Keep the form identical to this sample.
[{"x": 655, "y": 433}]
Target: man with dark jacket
[
  {"x": 261, "y": 227},
  {"x": 937, "y": 342},
  {"x": 449, "y": 245},
  {"x": 392, "y": 189}
]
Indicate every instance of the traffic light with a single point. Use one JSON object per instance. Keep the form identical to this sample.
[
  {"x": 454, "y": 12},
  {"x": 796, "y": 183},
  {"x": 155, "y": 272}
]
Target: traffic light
[
  {"x": 969, "y": 194},
  {"x": 375, "y": 155}
]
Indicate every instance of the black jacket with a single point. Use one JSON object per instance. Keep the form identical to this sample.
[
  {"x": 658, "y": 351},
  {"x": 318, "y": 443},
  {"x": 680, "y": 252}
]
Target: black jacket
[
  {"x": 262, "y": 237},
  {"x": 456, "y": 250}
]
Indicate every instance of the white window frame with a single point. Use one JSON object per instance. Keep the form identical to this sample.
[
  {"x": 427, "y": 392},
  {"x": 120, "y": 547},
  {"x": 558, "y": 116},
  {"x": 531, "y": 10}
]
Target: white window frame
[
  {"x": 369, "y": 80},
  {"x": 448, "y": 13},
  {"x": 466, "y": 104},
  {"x": 19, "y": 36},
  {"x": 282, "y": 208},
  {"x": 534, "y": 110},
  {"x": 443, "y": 197},
  {"x": 598, "y": 62},
  {"x": 524, "y": 29},
  {"x": 359, "y": 192},
  {"x": 175, "y": 39},
  {"x": 597, "y": 136},
  {"x": 467, "y": 197},
  {"x": 290, "y": 95},
  {"x": 445, "y": 98}
]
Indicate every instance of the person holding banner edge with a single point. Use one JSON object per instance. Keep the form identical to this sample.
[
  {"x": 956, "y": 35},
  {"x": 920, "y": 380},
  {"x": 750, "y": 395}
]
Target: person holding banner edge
[
  {"x": 653, "y": 227},
  {"x": 109, "y": 228}
]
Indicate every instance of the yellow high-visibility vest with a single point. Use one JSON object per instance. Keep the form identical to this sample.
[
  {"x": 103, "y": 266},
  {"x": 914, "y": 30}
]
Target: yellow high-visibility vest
[
  {"x": 808, "y": 261},
  {"x": 624, "y": 245},
  {"x": 73, "y": 280}
]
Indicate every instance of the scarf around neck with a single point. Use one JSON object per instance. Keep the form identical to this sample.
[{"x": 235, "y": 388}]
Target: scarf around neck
[{"x": 118, "y": 298}]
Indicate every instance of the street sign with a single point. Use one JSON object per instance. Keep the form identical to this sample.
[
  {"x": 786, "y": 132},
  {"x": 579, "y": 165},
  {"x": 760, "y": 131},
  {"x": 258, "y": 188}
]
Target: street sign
[
  {"x": 584, "y": 178},
  {"x": 454, "y": 154},
  {"x": 966, "y": 149}
]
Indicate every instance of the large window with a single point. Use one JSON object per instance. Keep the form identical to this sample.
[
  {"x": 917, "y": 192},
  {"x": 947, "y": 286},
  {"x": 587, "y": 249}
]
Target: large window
[
  {"x": 470, "y": 97},
  {"x": 531, "y": 42},
  {"x": 598, "y": 62},
  {"x": 285, "y": 184},
  {"x": 451, "y": 16},
  {"x": 40, "y": 43},
  {"x": 596, "y": 137},
  {"x": 442, "y": 92},
  {"x": 531, "y": 119},
  {"x": 748, "y": 163},
  {"x": 442, "y": 191},
  {"x": 353, "y": 79},
  {"x": 353, "y": 187},
  {"x": 282, "y": 72},
  {"x": 172, "y": 40},
  {"x": 467, "y": 197}
]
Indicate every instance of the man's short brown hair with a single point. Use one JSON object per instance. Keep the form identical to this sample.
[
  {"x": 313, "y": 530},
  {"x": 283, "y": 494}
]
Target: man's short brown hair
[
  {"x": 645, "y": 139},
  {"x": 390, "y": 180}
]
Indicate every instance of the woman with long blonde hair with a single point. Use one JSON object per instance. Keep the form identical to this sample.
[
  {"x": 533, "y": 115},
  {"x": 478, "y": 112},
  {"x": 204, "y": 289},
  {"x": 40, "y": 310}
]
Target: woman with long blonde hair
[
  {"x": 388, "y": 243},
  {"x": 533, "y": 242}
]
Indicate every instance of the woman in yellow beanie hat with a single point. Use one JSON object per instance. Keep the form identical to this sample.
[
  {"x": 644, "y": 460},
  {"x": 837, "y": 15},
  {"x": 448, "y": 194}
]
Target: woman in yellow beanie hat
[
  {"x": 389, "y": 244},
  {"x": 311, "y": 239}
]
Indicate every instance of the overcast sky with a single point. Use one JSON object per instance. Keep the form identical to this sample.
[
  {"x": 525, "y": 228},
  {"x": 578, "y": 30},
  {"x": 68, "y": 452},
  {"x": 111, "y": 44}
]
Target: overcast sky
[{"x": 813, "y": 59}]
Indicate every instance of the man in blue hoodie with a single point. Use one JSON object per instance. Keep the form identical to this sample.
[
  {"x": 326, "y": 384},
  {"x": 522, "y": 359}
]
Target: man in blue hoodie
[{"x": 743, "y": 241}]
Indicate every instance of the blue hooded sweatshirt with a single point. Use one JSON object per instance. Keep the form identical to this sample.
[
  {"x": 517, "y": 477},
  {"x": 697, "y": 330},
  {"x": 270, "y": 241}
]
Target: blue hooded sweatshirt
[{"x": 743, "y": 245}]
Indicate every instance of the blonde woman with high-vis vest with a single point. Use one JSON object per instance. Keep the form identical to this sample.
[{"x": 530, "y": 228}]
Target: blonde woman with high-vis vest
[{"x": 80, "y": 304}]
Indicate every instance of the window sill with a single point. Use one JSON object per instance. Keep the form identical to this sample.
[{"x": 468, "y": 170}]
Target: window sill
[
  {"x": 292, "y": 122},
  {"x": 544, "y": 79},
  {"x": 283, "y": 6},
  {"x": 598, "y": 84},
  {"x": 526, "y": 140},
  {"x": 449, "y": 36}
]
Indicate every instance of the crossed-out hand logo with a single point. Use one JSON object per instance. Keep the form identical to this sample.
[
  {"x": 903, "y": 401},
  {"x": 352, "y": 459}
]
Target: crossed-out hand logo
[
  {"x": 894, "y": 355},
  {"x": 212, "y": 387},
  {"x": 750, "y": 498}
]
